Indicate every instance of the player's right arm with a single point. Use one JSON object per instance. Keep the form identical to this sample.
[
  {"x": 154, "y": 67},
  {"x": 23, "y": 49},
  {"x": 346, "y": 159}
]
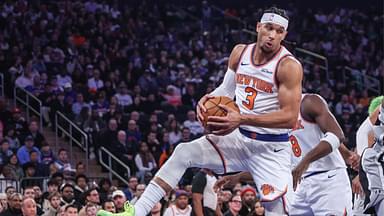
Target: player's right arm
[
  {"x": 315, "y": 109},
  {"x": 228, "y": 86}
]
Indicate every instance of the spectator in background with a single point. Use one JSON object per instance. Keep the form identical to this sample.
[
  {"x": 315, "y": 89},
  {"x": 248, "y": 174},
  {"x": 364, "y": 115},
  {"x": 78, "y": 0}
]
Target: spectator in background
[
  {"x": 17, "y": 123},
  {"x": 62, "y": 162},
  {"x": 24, "y": 151},
  {"x": 174, "y": 132},
  {"x": 80, "y": 168},
  {"x": 95, "y": 83},
  {"x": 248, "y": 196},
  {"x": 132, "y": 184},
  {"x": 344, "y": 106},
  {"x": 119, "y": 199},
  {"x": 33, "y": 130},
  {"x": 133, "y": 134},
  {"x": 194, "y": 126},
  {"x": 104, "y": 189},
  {"x": 13, "y": 169},
  {"x": 14, "y": 205},
  {"x": 53, "y": 187},
  {"x": 156, "y": 210},
  {"x": 123, "y": 98},
  {"x": 5, "y": 152},
  {"x": 139, "y": 191},
  {"x": 67, "y": 195},
  {"x": 47, "y": 155},
  {"x": 90, "y": 210},
  {"x": 234, "y": 206},
  {"x": 11, "y": 137},
  {"x": 144, "y": 160},
  {"x": 28, "y": 207},
  {"x": 181, "y": 205},
  {"x": 41, "y": 169},
  {"x": 71, "y": 210},
  {"x": 108, "y": 205},
  {"x": 92, "y": 198},
  {"x": 54, "y": 204},
  {"x": 79, "y": 104},
  {"x": 109, "y": 135},
  {"x": 259, "y": 209},
  {"x": 124, "y": 152},
  {"x": 81, "y": 185}
]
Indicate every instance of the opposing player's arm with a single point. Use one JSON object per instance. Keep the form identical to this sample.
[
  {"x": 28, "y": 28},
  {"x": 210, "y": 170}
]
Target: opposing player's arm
[
  {"x": 289, "y": 76},
  {"x": 228, "y": 86}
]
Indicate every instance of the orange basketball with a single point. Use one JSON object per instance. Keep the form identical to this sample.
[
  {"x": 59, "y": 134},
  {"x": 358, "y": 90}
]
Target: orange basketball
[{"x": 213, "y": 109}]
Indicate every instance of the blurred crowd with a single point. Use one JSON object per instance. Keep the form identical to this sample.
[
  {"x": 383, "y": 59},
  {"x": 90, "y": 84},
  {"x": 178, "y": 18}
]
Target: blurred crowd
[{"x": 130, "y": 74}]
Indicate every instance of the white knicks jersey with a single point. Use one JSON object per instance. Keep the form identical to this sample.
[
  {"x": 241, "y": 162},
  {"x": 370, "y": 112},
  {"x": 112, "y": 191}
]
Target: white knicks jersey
[
  {"x": 256, "y": 87},
  {"x": 304, "y": 137}
]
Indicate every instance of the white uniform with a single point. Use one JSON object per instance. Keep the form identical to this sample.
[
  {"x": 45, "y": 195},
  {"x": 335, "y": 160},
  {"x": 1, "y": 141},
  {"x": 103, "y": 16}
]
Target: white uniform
[
  {"x": 325, "y": 187},
  {"x": 266, "y": 153},
  {"x": 174, "y": 211}
]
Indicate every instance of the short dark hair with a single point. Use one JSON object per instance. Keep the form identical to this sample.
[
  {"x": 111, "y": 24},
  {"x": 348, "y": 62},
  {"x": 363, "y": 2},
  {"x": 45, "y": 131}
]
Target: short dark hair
[
  {"x": 278, "y": 11},
  {"x": 52, "y": 182},
  {"x": 61, "y": 150},
  {"x": 81, "y": 176},
  {"x": 70, "y": 206},
  {"x": 106, "y": 201}
]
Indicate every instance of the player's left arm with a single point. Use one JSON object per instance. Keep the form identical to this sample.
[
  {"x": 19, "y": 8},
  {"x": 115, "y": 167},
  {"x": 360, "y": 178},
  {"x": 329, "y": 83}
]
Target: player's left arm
[{"x": 289, "y": 76}]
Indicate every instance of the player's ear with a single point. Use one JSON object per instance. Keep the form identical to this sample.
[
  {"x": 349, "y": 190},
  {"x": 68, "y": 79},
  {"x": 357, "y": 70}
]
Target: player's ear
[
  {"x": 285, "y": 34},
  {"x": 258, "y": 26}
]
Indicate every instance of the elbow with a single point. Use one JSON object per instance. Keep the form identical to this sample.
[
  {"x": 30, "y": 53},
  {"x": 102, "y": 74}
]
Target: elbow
[{"x": 292, "y": 120}]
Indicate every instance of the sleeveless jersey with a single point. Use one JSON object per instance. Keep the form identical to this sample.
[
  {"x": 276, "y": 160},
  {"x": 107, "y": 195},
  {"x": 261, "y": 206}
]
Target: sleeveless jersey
[
  {"x": 304, "y": 137},
  {"x": 256, "y": 87}
]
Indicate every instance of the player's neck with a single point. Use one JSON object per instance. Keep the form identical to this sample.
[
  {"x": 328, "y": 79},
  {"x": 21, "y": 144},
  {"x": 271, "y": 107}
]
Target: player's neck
[{"x": 261, "y": 57}]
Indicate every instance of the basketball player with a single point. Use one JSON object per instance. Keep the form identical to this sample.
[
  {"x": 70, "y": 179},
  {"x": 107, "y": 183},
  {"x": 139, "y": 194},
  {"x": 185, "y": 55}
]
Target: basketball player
[
  {"x": 365, "y": 138},
  {"x": 266, "y": 80},
  {"x": 371, "y": 171},
  {"x": 316, "y": 138}
]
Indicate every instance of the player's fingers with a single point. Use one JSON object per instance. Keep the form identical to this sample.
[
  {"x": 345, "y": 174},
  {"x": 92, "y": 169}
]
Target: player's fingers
[
  {"x": 201, "y": 107},
  {"x": 217, "y": 119},
  {"x": 225, "y": 107},
  {"x": 221, "y": 132}
]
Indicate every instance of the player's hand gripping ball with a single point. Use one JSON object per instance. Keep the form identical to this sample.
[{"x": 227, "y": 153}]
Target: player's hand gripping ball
[{"x": 213, "y": 108}]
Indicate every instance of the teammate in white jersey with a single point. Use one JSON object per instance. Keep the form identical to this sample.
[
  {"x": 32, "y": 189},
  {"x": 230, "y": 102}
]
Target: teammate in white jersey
[
  {"x": 315, "y": 140},
  {"x": 266, "y": 80}
]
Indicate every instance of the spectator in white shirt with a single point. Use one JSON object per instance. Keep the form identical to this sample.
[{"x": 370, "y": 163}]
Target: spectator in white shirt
[
  {"x": 194, "y": 126},
  {"x": 95, "y": 82},
  {"x": 63, "y": 78},
  {"x": 123, "y": 98},
  {"x": 144, "y": 160},
  {"x": 79, "y": 104},
  {"x": 181, "y": 206}
]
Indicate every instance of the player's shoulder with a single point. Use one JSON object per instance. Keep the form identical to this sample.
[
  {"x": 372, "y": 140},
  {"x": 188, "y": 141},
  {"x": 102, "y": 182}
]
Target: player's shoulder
[
  {"x": 290, "y": 61},
  {"x": 236, "y": 54},
  {"x": 238, "y": 50},
  {"x": 313, "y": 103},
  {"x": 313, "y": 98}
]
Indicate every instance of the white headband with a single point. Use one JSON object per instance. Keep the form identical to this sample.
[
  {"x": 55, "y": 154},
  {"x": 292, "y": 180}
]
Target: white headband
[{"x": 274, "y": 18}]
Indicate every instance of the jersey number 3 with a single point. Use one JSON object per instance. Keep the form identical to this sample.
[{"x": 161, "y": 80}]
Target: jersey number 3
[
  {"x": 250, "y": 99},
  {"x": 295, "y": 146}
]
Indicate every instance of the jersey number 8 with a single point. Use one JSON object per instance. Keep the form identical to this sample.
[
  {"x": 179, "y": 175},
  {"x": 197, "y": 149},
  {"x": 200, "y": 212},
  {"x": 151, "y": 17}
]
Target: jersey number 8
[{"x": 295, "y": 146}]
